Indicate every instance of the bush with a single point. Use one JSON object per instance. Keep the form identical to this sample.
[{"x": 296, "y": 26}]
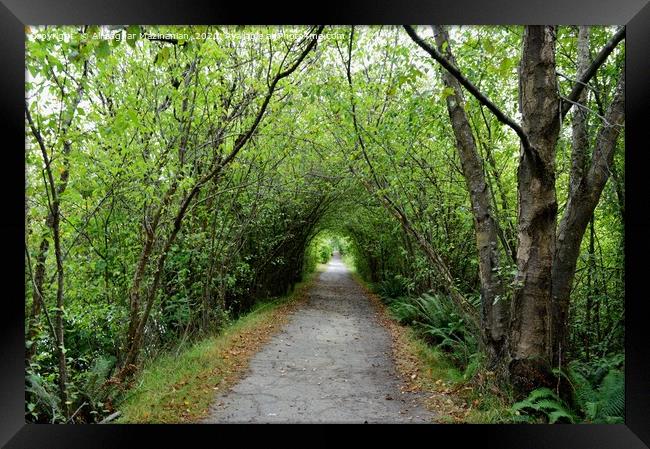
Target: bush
[
  {"x": 545, "y": 402},
  {"x": 601, "y": 402},
  {"x": 435, "y": 319},
  {"x": 393, "y": 287}
]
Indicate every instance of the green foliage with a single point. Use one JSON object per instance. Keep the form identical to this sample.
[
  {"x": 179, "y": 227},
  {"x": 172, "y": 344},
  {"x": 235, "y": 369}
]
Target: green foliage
[
  {"x": 436, "y": 320},
  {"x": 394, "y": 287},
  {"x": 600, "y": 403},
  {"x": 42, "y": 402},
  {"x": 610, "y": 406},
  {"x": 600, "y": 400},
  {"x": 545, "y": 402},
  {"x": 153, "y": 118},
  {"x": 94, "y": 388}
]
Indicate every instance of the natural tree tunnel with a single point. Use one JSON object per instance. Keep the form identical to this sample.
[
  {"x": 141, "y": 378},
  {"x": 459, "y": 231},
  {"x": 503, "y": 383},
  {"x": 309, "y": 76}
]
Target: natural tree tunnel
[{"x": 472, "y": 176}]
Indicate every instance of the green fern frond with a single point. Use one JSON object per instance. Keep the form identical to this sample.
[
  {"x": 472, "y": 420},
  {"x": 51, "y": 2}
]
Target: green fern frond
[
  {"x": 591, "y": 410},
  {"x": 584, "y": 393},
  {"x": 554, "y": 416},
  {"x": 549, "y": 405},
  {"x": 546, "y": 402},
  {"x": 521, "y": 405},
  {"x": 540, "y": 393},
  {"x": 612, "y": 395}
]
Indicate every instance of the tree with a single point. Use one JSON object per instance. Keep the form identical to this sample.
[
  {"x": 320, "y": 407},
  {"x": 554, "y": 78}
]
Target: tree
[
  {"x": 494, "y": 312},
  {"x": 544, "y": 268}
]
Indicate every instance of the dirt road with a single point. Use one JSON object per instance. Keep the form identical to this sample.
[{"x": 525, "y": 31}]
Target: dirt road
[{"x": 331, "y": 363}]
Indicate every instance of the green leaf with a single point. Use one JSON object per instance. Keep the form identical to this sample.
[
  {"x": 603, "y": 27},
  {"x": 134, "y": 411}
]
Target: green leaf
[
  {"x": 132, "y": 35},
  {"x": 447, "y": 91},
  {"x": 93, "y": 31},
  {"x": 162, "y": 56},
  {"x": 103, "y": 49},
  {"x": 541, "y": 393},
  {"x": 117, "y": 39},
  {"x": 557, "y": 414}
]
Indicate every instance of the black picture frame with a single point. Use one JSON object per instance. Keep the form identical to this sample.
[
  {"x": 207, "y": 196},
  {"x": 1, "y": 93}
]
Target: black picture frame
[{"x": 634, "y": 14}]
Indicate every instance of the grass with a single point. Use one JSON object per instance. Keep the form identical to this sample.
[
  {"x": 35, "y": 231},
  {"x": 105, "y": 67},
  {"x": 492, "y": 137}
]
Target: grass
[
  {"x": 427, "y": 369},
  {"x": 180, "y": 388}
]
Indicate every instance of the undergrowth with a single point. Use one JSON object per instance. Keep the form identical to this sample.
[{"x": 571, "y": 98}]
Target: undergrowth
[
  {"x": 179, "y": 386},
  {"x": 598, "y": 397},
  {"x": 450, "y": 351}
]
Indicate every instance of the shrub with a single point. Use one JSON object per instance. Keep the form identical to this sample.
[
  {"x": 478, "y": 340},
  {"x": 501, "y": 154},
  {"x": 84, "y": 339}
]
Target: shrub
[
  {"x": 603, "y": 402},
  {"x": 545, "y": 402},
  {"x": 435, "y": 319},
  {"x": 393, "y": 287}
]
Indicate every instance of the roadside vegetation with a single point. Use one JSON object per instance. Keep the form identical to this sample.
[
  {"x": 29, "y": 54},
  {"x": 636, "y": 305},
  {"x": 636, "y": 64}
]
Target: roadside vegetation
[{"x": 180, "y": 386}]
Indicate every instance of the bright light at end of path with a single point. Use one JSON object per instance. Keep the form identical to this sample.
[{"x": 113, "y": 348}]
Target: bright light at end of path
[{"x": 336, "y": 265}]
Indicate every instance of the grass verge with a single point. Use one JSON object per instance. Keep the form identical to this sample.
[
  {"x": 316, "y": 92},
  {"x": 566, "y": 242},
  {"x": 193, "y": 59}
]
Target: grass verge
[
  {"x": 180, "y": 388},
  {"x": 426, "y": 369}
]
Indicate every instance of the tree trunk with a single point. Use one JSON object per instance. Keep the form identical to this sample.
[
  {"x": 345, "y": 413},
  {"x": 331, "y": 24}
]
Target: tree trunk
[
  {"x": 494, "y": 308},
  {"x": 580, "y": 137},
  {"x": 591, "y": 272},
  {"x": 53, "y": 221},
  {"x": 59, "y": 317},
  {"x": 37, "y": 298},
  {"x": 53, "y": 214},
  {"x": 507, "y": 231},
  {"x": 530, "y": 330},
  {"x": 152, "y": 290},
  {"x": 579, "y": 210},
  {"x": 150, "y": 229}
]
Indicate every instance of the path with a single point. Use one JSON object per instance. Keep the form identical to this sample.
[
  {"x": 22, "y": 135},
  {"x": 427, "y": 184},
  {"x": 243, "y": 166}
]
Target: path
[{"x": 331, "y": 363}]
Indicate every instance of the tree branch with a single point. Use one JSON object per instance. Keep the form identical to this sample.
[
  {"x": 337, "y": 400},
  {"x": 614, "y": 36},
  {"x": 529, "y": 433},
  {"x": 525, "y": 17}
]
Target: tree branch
[
  {"x": 502, "y": 117},
  {"x": 243, "y": 138},
  {"x": 582, "y": 81}
]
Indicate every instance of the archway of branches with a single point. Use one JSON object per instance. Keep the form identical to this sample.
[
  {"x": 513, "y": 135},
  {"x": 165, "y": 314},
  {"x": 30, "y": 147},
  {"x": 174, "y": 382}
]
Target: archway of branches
[{"x": 172, "y": 183}]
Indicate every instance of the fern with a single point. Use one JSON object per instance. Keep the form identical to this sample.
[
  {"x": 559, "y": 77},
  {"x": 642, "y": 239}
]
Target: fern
[
  {"x": 404, "y": 311},
  {"x": 436, "y": 320},
  {"x": 605, "y": 404},
  {"x": 393, "y": 287},
  {"x": 584, "y": 393},
  {"x": 43, "y": 400},
  {"x": 611, "y": 395},
  {"x": 545, "y": 402},
  {"x": 556, "y": 415},
  {"x": 549, "y": 405},
  {"x": 96, "y": 376}
]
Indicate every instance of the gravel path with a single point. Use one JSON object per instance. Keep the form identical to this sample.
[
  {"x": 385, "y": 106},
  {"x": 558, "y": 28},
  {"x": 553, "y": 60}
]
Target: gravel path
[{"x": 331, "y": 363}]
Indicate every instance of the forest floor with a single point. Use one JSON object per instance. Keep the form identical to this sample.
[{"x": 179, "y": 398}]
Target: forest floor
[{"x": 332, "y": 362}]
